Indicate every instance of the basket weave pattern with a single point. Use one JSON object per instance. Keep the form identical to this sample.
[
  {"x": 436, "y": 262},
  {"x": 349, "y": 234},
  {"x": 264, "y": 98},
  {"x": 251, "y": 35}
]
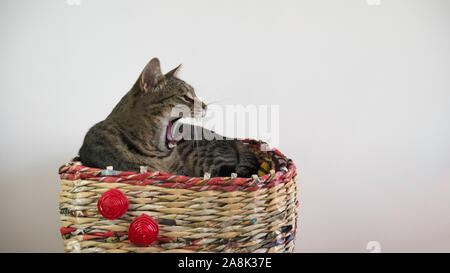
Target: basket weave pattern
[{"x": 220, "y": 214}]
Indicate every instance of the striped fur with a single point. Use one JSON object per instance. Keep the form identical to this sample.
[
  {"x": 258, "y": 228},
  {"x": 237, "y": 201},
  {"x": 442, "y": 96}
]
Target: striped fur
[
  {"x": 219, "y": 157},
  {"x": 134, "y": 133}
]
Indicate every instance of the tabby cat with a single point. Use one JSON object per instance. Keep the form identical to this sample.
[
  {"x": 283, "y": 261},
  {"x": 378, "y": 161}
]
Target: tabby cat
[{"x": 140, "y": 132}]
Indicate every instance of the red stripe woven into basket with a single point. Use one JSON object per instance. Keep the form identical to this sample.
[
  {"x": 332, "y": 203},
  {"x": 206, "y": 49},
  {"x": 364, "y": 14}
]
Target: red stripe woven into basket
[{"x": 285, "y": 171}]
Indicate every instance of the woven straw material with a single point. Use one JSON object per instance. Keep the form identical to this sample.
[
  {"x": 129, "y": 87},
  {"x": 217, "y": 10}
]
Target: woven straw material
[{"x": 223, "y": 214}]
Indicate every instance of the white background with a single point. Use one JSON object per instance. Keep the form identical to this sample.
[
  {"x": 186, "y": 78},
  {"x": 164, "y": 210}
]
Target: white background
[{"x": 363, "y": 92}]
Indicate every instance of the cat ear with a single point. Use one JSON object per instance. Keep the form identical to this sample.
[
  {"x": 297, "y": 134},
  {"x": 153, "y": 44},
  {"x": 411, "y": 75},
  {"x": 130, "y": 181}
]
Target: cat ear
[
  {"x": 151, "y": 76},
  {"x": 173, "y": 72}
]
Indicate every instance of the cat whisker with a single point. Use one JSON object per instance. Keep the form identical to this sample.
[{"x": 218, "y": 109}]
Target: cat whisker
[{"x": 212, "y": 102}]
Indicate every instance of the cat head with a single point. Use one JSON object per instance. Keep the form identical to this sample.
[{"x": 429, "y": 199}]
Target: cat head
[
  {"x": 168, "y": 98},
  {"x": 159, "y": 88}
]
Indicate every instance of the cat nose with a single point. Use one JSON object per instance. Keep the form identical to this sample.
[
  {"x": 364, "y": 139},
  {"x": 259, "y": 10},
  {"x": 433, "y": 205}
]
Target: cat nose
[{"x": 204, "y": 108}]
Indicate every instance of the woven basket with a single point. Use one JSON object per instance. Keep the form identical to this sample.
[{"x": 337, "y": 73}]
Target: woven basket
[{"x": 220, "y": 214}]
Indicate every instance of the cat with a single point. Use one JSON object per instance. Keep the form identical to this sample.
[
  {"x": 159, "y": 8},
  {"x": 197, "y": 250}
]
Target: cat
[
  {"x": 139, "y": 132},
  {"x": 218, "y": 157}
]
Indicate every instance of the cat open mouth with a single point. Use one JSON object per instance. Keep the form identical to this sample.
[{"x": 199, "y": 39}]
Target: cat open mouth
[{"x": 171, "y": 141}]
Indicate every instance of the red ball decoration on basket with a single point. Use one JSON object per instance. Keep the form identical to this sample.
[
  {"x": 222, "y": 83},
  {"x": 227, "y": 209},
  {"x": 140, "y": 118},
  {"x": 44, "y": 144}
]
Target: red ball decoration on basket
[
  {"x": 143, "y": 230},
  {"x": 112, "y": 204}
]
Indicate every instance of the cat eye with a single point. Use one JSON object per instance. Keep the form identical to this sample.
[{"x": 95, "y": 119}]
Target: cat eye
[{"x": 189, "y": 99}]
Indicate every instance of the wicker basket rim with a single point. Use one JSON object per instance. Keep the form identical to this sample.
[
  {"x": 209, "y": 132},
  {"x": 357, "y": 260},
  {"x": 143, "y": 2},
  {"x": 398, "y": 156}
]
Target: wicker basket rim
[{"x": 74, "y": 170}]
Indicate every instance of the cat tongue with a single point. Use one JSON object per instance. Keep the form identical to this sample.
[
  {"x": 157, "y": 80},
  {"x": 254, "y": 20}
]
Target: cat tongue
[{"x": 169, "y": 136}]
